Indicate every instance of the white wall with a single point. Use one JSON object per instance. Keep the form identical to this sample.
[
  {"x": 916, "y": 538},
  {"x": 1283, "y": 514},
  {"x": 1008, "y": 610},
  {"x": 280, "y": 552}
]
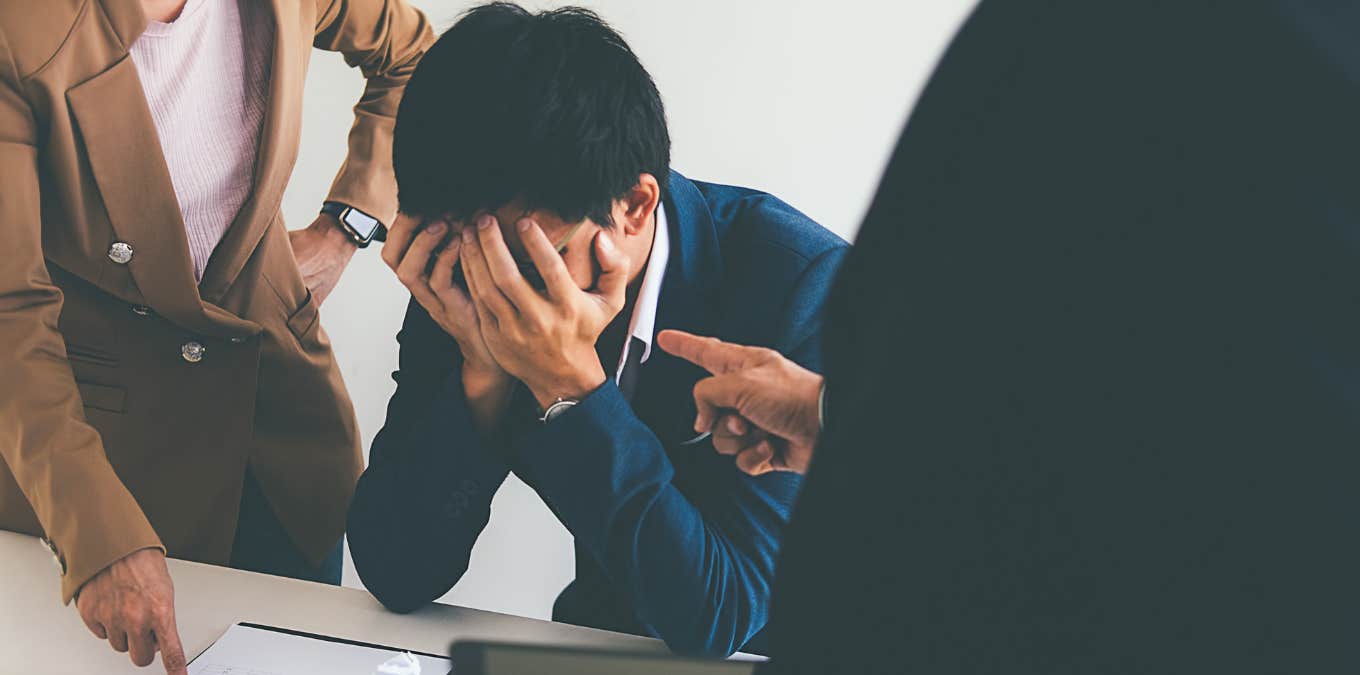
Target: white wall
[{"x": 802, "y": 99}]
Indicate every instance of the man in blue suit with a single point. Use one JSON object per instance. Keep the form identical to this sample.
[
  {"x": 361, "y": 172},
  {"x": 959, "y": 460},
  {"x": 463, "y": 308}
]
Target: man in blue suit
[{"x": 553, "y": 243}]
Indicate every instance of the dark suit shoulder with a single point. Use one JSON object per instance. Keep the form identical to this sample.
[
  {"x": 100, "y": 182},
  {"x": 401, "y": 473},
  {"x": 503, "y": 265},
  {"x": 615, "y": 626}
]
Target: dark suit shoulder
[
  {"x": 751, "y": 219},
  {"x": 777, "y": 267}
]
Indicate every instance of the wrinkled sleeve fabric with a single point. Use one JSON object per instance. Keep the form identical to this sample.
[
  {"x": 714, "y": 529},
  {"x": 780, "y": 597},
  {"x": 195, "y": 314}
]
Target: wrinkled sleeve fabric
[
  {"x": 56, "y": 457},
  {"x": 426, "y": 495},
  {"x": 385, "y": 40}
]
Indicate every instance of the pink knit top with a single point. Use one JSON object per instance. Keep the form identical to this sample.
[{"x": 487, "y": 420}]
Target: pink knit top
[{"x": 205, "y": 77}]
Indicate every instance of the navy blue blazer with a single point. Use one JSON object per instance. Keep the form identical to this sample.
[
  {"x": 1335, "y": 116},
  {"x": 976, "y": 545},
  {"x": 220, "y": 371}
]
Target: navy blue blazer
[{"x": 672, "y": 540}]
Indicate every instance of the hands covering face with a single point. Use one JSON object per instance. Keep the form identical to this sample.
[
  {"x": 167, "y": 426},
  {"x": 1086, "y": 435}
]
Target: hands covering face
[{"x": 501, "y": 323}]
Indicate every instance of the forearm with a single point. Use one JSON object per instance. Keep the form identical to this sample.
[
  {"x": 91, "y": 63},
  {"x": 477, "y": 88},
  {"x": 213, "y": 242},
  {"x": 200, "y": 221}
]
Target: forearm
[
  {"x": 423, "y": 501},
  {"x": 384, "y": 39},
  {"x": 609, "y": 479},
  {"x": 55, "y": 457}
]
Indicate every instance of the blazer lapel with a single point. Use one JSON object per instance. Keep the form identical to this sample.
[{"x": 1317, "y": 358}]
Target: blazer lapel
[
  {"x": 277, "y": 152},
  {"x": 664, "y": 398},
  {"x": 125, "y": 157}
]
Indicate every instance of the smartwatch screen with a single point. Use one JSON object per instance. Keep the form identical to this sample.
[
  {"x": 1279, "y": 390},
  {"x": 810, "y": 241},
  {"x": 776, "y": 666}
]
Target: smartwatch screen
[{"x": 363, "y": 224}]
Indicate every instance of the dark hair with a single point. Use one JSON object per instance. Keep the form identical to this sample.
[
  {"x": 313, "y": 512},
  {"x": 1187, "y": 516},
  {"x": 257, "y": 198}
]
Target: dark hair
[{"x": 552, "y": 109}]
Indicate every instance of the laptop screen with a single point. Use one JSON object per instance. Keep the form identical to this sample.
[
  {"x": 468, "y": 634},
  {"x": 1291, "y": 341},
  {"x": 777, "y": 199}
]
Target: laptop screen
[{"x": 471, "y": 658}]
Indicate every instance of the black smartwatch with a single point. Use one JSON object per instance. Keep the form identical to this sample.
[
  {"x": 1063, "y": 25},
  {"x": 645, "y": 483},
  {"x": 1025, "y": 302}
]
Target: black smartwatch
[{"x": 361, "y": 227}]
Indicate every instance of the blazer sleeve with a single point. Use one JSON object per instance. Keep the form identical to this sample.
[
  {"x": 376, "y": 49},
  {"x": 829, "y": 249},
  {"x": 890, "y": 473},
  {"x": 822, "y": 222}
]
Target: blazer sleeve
[
  {"x": 698, "y": 563},
  {"x": 385, "y": 39},
  {"x": 426, "y": 495},
  {"x": 89, "y": 517}
]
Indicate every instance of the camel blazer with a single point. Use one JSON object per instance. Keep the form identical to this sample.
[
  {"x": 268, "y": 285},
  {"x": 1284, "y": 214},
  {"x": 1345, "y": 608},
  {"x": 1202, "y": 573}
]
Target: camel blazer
[{"x": 131, "y": 398}]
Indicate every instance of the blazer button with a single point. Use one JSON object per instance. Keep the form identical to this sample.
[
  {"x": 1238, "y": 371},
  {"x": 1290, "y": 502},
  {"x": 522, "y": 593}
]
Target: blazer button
[
  {"x": 192, "y": 352},
  {"x": 120, "y": 252}
]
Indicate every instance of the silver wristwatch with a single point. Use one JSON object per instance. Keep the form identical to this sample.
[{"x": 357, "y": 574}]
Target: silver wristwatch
[{"x": 555, "y": 410}]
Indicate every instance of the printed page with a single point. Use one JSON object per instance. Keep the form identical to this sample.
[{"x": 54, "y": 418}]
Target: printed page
[{"x": 245, "y": 650}]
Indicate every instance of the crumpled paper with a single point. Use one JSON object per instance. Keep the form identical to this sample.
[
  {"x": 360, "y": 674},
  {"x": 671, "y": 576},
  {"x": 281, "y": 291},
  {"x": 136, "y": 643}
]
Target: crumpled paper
[{"x": 401, "y": 664}]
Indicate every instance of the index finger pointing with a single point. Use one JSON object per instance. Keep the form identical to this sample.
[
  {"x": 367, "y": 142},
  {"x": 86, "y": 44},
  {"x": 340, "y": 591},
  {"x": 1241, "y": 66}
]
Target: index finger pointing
[
  {"x": 709, "y": 353},
  {"x": 172, "y": 652}
]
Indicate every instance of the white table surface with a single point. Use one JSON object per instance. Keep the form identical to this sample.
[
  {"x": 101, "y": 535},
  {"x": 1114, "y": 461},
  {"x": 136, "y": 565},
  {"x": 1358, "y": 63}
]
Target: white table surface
[{"x": 38, "y": 635}]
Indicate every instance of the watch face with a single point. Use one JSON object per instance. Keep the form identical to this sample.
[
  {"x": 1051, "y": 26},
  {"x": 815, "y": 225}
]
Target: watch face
[
  {"x": 363, "y": 224},
  {"x": 556, "y": 410}
]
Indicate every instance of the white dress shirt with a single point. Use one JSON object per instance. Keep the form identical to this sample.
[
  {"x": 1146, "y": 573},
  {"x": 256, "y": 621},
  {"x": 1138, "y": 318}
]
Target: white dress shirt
[{"x": 642, "y": 324}]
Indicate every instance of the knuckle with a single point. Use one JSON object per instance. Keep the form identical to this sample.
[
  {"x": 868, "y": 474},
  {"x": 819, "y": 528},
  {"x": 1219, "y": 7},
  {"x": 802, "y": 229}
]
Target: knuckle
[
  {"x": 535, "y": 325},
  {"x": 133, "y": 618}
]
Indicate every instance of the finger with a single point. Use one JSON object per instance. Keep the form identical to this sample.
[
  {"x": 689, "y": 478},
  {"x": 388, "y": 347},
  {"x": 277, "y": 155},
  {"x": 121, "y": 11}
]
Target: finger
[
  {"x": 501, "y": 265},
  {"x": 709, "y": 353},
  {"x": 612, "y": 284},
  {"x": 732, "y": 425},
  {"x": 172, "y": 652},
  {"x": 735, "y": 425},
  {"x": 712, "y": 397},
  {"x": 442, "y": 274},
  {"x": 427, "y": 298},
  {"x": 729, "y": 445},
  {"x": 411, "y": 269},
  {"x": 93, "y": 624},
  {"x": 546, "y": 260},
  {"x": 454, "y": 299},
  {"x": 141, "y": 646},
  {"x": 483, "y": 289},
  {"x": 756, "y": 461},
  {"x": 118, "y": 639},
  {"x": 399, "y": 237},
  {"x": 733, "y": 434},
  {"x": 87, "y": 614}
]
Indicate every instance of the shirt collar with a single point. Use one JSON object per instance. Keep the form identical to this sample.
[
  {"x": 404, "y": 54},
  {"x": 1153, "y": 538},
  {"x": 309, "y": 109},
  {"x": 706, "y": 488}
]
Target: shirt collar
[{"x": 642, "y": 325}]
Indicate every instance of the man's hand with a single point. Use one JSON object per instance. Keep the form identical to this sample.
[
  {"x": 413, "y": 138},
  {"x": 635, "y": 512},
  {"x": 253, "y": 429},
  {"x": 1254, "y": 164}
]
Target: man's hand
[
  {"x": 322, "y": 251},
  {"x": 408, "y": 251},
  {"x": 765, "y": 390},
  {"x": 410, "y": 247},
  {"x": 546, "y": 340},
  {"x": 131, "y": 603}
]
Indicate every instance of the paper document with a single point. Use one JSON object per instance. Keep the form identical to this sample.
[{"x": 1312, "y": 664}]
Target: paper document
[{"x": 248, "y": 649}]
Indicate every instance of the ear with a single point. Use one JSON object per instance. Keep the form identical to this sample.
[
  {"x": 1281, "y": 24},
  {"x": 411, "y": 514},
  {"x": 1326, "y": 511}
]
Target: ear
[{"x": 632, "y": 210}]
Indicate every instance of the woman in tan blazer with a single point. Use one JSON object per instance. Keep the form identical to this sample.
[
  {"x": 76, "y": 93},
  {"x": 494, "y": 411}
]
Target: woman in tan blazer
[{"x": 163, "y": 368}]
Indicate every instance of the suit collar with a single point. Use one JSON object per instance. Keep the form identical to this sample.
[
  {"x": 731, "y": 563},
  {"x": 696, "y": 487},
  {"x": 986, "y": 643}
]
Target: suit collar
[
  {"x": 127, "y": 20},
  {"x": 150, "y": 218},
  {"x": 693, "y": 274},
  {"x": 695, "y": 264}
]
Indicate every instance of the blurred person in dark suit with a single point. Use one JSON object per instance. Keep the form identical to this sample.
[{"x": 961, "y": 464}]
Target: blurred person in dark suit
[{"x": 1093, "y": 365}]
